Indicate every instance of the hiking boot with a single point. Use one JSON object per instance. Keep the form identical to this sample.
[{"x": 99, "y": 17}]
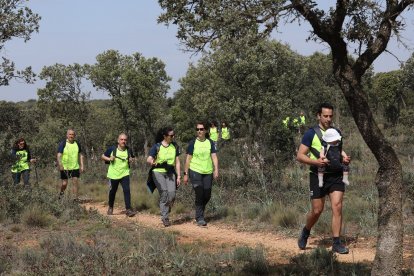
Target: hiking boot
[
  {"x": 166, "y": 222},
  {"x": 201, "y": 222},
  {"x": 339, "y": 248},
  {"x": 303, "y": 239},
  {"x": 130, "y": 213},
  {"x": 61, "y": 195},
  {"x": 110, "y": 211}
]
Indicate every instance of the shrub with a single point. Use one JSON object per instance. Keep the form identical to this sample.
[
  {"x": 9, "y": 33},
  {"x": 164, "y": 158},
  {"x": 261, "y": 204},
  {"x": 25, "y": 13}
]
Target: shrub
[
  {"x": 35, "y": 217},
  {"x": 254, "y": 259}
]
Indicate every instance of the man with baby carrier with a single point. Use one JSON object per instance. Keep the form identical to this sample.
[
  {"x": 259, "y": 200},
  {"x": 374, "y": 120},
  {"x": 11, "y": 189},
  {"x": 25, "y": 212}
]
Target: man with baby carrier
[{"x": 332, "y": 182}]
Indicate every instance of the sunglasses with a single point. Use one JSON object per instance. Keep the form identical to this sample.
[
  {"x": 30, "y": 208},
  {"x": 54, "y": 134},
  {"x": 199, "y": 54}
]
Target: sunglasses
[
  {"x": 171, "y": 135},
  {"x": 200, "y": 129}
]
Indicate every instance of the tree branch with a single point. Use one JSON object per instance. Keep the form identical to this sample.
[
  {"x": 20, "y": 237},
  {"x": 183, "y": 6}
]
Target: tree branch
[{"x": 383, "y": 36}]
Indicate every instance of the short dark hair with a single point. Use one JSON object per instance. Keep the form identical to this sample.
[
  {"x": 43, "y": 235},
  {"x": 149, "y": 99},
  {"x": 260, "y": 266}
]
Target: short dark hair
[{"x": 324, "y": 105}]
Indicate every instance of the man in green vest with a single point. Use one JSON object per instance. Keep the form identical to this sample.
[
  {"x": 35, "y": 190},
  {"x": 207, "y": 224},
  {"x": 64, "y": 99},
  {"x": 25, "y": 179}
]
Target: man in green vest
[
  {"x": 70, "y": 162},
  {"x": 333, "y": 185},
  {"x": 119, "y": 157}
]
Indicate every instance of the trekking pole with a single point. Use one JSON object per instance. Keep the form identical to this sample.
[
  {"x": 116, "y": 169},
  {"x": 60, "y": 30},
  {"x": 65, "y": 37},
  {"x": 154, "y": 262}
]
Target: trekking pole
[{"x": 36, "y": 174}]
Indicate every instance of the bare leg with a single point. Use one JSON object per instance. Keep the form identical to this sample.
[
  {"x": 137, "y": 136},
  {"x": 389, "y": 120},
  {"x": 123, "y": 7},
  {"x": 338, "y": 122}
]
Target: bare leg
[
  {"x": 64, "y": 185},
  {"x": 336, "y": 198},
  {"x": 75, "y": 188},
  {"x": 316, "y": 211}
]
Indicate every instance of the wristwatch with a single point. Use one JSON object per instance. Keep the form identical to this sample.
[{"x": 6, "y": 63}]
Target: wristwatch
[{"x": 185, "y": 173}]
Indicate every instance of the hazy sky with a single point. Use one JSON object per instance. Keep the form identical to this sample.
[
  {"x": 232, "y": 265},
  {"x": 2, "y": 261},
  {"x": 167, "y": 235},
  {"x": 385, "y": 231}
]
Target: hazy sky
[{"x": 76, "y": 31}]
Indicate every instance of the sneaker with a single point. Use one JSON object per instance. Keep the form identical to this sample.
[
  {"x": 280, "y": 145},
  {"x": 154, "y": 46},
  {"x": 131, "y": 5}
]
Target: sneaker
[
  {"x": 166, "y": 222},
  {"x": 339, "y": 248},
  {"x": 110, "y": 211},
  {"x": 201, "y": 222},
  {"x": 61, "y": 195},
  {"x": 130, "y": 213},
  {"x": 303, "y": 239}
]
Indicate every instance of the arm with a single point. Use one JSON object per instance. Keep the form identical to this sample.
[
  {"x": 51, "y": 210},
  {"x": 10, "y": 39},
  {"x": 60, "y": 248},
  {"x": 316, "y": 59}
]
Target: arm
[
  {"x": 82, "y": 168},
  {"x": 151, "y": 160},
  {"x": 215, "y": 163},
  {"x": 345, "y": 158},
  {"x": 186, "y": 167},
  {"x": 106, "y": 158},
  {"x": 322, "y": 153},
  {"x": 59, "y": 161},
  {"x": 303, "y": 157},
  {"x": 107, "y": 155},
  {"x": 178, "y": 170}
]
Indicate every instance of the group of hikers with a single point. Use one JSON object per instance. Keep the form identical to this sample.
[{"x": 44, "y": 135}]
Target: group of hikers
[{"x": 321, "y": 148}]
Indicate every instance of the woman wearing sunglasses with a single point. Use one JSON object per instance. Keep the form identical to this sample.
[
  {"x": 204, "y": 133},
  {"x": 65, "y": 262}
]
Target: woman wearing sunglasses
[
  {"x": 20, "y": 152},
  {"x": 163, "y": 157},
  {"x": 201, "y": 167}
]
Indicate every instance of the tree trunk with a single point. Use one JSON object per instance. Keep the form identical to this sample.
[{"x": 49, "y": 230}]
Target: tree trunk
[{"x": 389, "y": 253}]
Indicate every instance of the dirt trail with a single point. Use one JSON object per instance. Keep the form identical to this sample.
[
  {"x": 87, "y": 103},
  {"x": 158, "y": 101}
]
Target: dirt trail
[{"x": 279, "y": 248}]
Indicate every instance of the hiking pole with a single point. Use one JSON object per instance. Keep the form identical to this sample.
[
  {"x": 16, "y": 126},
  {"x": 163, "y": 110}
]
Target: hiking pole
[{"x": 37, "y": 175}]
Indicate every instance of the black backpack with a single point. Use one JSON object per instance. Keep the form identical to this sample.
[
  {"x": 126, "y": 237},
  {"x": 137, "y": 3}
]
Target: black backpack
[{"x": 332, "y": 153}]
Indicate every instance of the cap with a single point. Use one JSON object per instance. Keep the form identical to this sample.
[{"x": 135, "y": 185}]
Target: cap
[{"x": 331, "y": 135}]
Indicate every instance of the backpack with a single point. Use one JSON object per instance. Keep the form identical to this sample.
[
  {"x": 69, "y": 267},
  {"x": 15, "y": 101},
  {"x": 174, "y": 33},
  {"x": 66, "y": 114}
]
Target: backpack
[
  {"x": 114, "y": 154},
  {"x": 332, "y": 153}
]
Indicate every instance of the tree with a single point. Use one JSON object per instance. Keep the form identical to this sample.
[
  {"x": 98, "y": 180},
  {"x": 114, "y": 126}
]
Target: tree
[
  {"x": 65, "y": 99},
  {"x": 253, "y": 88},
  {"x": 138, "y": 86},
  {"x": 388, "y": 89},
  {"x": 362, "y": 27},
  {"x": 16, "y": 21}
]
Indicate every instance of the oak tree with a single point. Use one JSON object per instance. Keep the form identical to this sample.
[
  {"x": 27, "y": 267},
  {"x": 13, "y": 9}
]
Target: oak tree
[{"x": 361, "y": 28}]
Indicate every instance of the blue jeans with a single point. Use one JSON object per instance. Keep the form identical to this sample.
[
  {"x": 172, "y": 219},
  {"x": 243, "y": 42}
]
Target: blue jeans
[{"x": 25, "y": 174}]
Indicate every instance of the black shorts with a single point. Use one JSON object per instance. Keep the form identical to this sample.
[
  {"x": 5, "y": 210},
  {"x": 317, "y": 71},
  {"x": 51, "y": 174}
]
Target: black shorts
[
  {"x": 65, "y": 174},
  {"x": 331, "y": 182}
]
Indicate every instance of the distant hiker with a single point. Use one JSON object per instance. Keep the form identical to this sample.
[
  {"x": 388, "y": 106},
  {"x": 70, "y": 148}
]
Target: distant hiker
[
  {"x": 225, "y": 132},
  {"x": 21, "y": 154},
  {"x": 214, "y": 133},
  {"x": 119, "y": 158},
  {"x": 302, "y": 122},
  {"x": 166, "y": 170},
  {"x": 70, "y": 162},
  {"x": 302, "y": 119},
  {"x": 333, "y": 184},
  {"x": 201, "y": 166},
  {"x": 286, "y": 122},
  {"x": 332, "y": 151}
]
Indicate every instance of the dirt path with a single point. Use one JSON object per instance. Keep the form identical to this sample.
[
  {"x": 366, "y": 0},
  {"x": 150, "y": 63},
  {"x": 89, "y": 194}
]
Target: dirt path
[{"x": 279, "y": 248}]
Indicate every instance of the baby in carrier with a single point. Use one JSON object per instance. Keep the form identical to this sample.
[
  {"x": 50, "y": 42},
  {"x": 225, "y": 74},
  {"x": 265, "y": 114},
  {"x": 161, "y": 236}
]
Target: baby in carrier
[{"x": 332, "y": 151}]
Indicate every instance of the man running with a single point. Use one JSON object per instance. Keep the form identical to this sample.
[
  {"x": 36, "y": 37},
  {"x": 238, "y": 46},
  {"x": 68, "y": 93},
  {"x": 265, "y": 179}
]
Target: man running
[
  {"x": 70, "y": 162},
  {"x": 333, "y": 184}
]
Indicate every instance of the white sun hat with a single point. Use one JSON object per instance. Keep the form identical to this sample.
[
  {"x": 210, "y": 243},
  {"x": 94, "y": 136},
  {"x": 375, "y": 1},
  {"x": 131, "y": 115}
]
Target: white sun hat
[{"x": 331, "y": 135}]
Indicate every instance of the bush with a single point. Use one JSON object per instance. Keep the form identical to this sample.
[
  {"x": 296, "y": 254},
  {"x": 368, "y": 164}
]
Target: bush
[
  {"x": 254, "y": 259},
  {"x": 34, "y": 216},
  {"x": 16, "y": 200}
]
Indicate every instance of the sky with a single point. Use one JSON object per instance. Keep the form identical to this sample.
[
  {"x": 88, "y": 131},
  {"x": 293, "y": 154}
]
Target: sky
[{"x": 76, "y": 31}]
